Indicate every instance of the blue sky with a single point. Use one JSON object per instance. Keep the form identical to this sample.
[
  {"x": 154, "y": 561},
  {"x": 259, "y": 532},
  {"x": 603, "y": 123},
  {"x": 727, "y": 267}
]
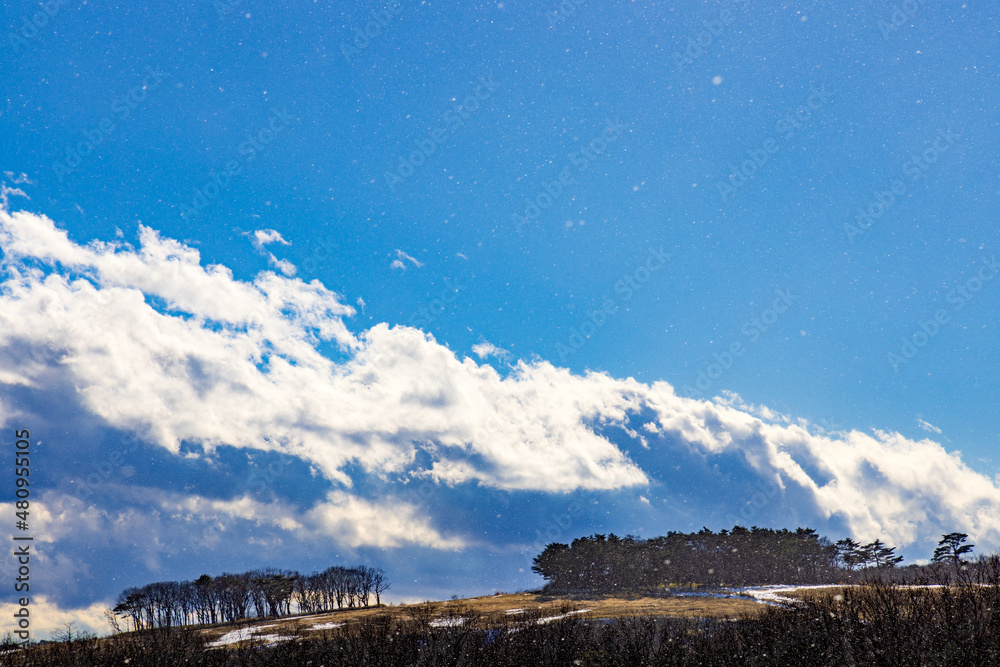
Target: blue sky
[{"x": 428, "y": 285}]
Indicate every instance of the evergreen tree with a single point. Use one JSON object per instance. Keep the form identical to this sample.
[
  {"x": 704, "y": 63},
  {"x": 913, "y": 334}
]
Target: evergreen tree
[
  {"x": 951, "y": 549},
  {"x": 849, "y": 553}
]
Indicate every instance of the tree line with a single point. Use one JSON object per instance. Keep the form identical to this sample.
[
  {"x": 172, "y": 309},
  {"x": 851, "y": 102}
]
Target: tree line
[
  {"x": 737, "y": 557},
  {"x": 874, "y": 623},
  {"x": 256, "y": 593}
]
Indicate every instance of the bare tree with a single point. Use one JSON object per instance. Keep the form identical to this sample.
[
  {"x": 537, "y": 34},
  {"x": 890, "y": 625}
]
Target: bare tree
[
  {"x": 309, "y": 593},
  {"x": 269, "y": 592},
  {"x": 68, "y": 633},
  {"x": 366, "y": 583},
  {"x": 130, "y": 605},
  {"x": 113, "y": 621},
  {"x": 380, "y": 584},
  {"x": 338, "y": 583},
  {"x": 65, "y": 633},
  {"x": 206, "y": 600},
  {"x": 234, "y": 599}
]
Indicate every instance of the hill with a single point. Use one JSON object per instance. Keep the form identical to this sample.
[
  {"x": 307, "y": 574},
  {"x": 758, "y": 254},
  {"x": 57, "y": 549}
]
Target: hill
[
  {"x": 492, "y": 611},
  {"x": 877, "y": 622}
]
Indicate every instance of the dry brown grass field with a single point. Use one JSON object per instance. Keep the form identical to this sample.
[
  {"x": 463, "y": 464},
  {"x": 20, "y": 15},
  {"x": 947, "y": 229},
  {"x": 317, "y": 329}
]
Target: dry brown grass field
[
  {"x": 874, "y": 623},
  {"x": 491, "y": 610}
]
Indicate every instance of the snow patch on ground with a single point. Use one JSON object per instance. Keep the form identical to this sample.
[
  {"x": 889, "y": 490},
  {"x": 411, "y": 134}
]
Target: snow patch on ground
[
  {"x": 511, "y": 612},
  {"x": 772, "y": 594},
  {"x": 327, "y": 626},
  {"x": 246, "y": 634},
  {"x": 549, "y": 619},
  {"x": 452, "y": 622}
]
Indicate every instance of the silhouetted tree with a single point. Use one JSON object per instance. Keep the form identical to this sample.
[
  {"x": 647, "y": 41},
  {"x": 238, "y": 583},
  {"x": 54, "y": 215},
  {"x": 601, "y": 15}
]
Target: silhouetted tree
[
  {"x": 232, "y": 597},
  {"x": 849, "y": 553},
  {"x": 206, "y": 600},
  {"x": 610, "y": 563},
  {"x": 951, "y": 549},
  {"x": 881, "y": 555},
  {"x": 380, "y": 584}
]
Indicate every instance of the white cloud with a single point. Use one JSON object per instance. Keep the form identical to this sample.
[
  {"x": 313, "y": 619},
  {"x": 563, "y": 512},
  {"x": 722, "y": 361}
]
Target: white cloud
[
  {"x": 283, "y": 265},
  {"x": 235, "y": 363},
  {"x": 349, "y": 521},
  {"x": 157, "y": 344},
  {"x": 18, "y": 179},
  {"x": 48, "y": 617},
  {"x": 400, "y": 256},
  {"x": 6, "y": 192},
  {"x": 356, "y": 522},
  {"x": 881, "y": 485},
  {"x": 262, "y": 237},
  {"x": 928, "y": 426},
  {"x": 488, "y": 349},
  {"x": 148, "y": 526}
]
